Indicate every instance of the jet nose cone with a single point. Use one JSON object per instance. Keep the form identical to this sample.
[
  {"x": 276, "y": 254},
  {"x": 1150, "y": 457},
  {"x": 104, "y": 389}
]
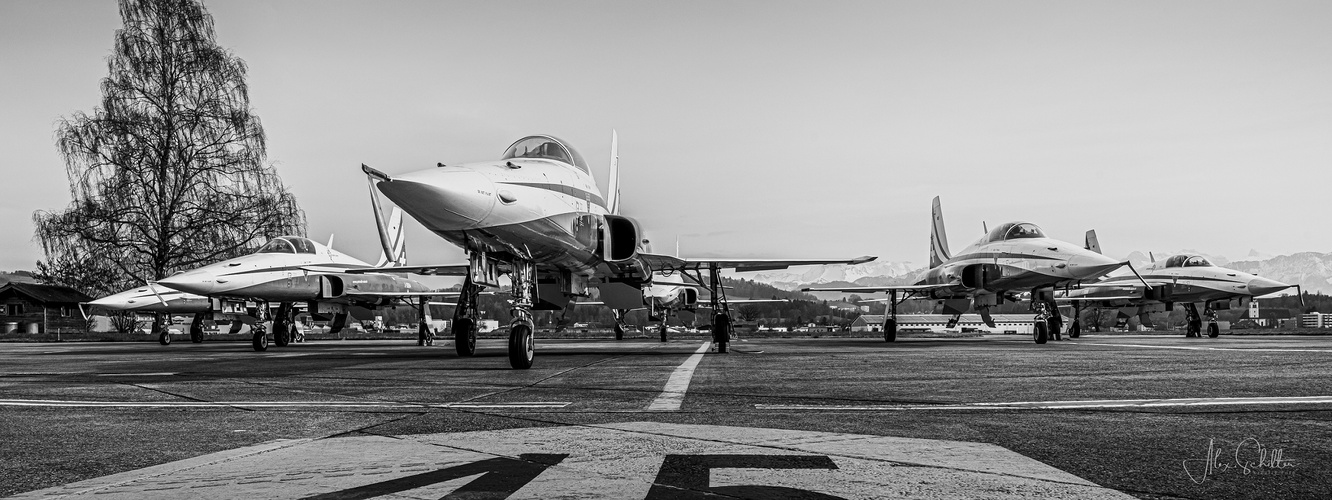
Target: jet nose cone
[
  {"x": 196, "y": 282},
  {"x": 443, "y": 199},
  {"x": 1091, "y": 265},
  {"x": 1259, "y": 286}
]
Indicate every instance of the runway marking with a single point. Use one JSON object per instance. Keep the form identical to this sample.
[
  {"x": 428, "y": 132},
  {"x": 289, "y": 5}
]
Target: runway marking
[
  {"x": 626, "y": 460},
  {"x": 1062, "y": 405},
  {"x": 672, "y": 396},
  {"x": 1192, "y": 348},
  {"x": 158, "y": 374},
  {"x": 276, "y": 404}
]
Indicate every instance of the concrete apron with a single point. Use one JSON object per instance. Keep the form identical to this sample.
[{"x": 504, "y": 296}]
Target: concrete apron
[{"x": 627, "y": 460}]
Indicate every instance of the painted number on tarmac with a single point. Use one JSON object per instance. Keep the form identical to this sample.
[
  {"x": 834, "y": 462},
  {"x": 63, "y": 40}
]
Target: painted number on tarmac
[{"x": 681, "y": 477}]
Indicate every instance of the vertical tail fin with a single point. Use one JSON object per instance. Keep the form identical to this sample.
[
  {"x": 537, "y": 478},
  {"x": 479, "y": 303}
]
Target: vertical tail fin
[
  {"x": 613, "y": 183},
  {"x": 392, "y": 234},
  {"x": 938, "y": 237},
  {"x": 1092, "y": 243}
]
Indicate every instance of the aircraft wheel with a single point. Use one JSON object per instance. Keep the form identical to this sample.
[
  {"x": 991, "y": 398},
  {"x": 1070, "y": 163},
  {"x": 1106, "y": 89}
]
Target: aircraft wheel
[
  {"x": 1040, "y": 332},
  {"x": 521, "y": 349},
  {"x": 721, "y": 331},
  {"x": 662, "y": 331},
  {"x": 1194, "y": 328},
  {"x": 260, "y": 341},
  {"x": 422, "y": 335},
  {"x": 196, "y": 336},
  {"x": 1213, "y": 331},
  {"x": 464, "y": 336},
  {"x": 890, "y": 330},
  {"x": 619, "y": 332},
  {"x": 1074, "y": 330},
  {"x": 280, "y": 333},
  {"x": 164, "y": 338}
]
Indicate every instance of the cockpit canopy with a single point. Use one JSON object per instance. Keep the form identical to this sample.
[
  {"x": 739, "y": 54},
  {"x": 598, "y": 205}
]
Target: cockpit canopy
[
  {"x": 288, "y": 244},
  {"x": 1014, "y": 230},
  {"x": 1187, "y": 261},
  {"x": 546, "y": 147}
]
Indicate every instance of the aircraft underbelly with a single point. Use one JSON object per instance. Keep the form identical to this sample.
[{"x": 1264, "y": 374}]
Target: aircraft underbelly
[
  {"x": 281, "y": 290},
  {"x": 565, "y": 241}
]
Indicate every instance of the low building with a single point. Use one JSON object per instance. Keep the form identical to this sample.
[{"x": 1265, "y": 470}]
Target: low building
[
  {"x": 1269, "y": 318},
  {"x": 1003, "y": 323},
  {"x": 38, "y": 308},
  {"x": 1316, "y": 320}
]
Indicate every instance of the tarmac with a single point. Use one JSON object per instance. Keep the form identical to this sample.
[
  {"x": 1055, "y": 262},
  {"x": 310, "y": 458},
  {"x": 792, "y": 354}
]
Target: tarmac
[{"x": 990, "y": 417}]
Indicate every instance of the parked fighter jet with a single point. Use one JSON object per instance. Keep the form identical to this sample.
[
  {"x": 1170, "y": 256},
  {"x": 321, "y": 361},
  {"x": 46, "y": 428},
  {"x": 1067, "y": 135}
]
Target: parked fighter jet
[
  {"x": 291, "y": 269},
  {"x": 664, "y": 298},
  {"x": 536, "y": 215},
  {"x": 1011, "y": 258},
  {"x": 1181, "y": 279}
]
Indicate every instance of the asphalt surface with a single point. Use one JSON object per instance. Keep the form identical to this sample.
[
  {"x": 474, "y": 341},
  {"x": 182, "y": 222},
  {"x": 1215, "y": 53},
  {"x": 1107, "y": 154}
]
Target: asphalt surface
[{"x": 160, "y": 404}]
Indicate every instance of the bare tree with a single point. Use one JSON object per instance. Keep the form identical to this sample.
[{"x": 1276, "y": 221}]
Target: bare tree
[{"x": 170, "y": 172}]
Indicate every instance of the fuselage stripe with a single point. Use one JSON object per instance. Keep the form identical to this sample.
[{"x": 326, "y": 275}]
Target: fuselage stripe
[{"x": 587, "y": 196}]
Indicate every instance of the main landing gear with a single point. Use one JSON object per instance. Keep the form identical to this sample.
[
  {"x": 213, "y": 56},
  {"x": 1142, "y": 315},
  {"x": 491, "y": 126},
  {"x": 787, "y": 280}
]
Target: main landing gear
[
  {"x": 160, "y": 323},
  {"x": 890, "y": 323},
  {"x": 259, "y": 339},
  {"x": 465, "y": 316},
  {"x": 1040, "y": 328},
  {"x": 1194, "y": 323},
  {"x": 284, "y": 324},
  {"x": 619, "y": 323},
  {"x": 424, "y": 337},
  {"x": 197, "y": 328},
  {"x": 521, "y": 346},
  {"x": 1075, "y": 329}
]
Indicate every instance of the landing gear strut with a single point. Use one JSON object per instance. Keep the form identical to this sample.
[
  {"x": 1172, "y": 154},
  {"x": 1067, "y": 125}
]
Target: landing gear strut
[
  {"x": 721, "y": 310},
  {"x": 1193, "y": 323},
  {"x": 464, "y": 319},
  {"x": 260, "y": 338},
  {"x": 196, "y": 328},
  {"x": 1040, "y": 329},
  {"x": 424, "y": 337},
  {"x": 619, "y": 323},
  {"x": 284, "y": 325},
  {"x": 1212, "y": 329},
  {"x": 160, "y": 328},
  {"x": 1075, "y": 329},
  {"x": 890, "y": 324},
  {"x": 521, "y": 347}
]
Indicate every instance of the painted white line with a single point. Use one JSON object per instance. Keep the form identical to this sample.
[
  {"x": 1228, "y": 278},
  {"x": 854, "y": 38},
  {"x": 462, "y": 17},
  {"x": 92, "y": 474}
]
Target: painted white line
[
  {"x": 159, "y": 374},
  {"x": 272, "y": 404},
  {"x": 1193, "y": 348},
  {"x": 1062, "y": 405},
  {"x": 672, "y": 396}
]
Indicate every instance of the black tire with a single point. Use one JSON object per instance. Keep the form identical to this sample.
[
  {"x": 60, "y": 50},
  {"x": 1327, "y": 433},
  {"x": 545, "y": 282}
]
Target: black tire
[
  {"x": 890, "y": 330},
  {"x": 1055, "y": 325},
  {"x": 663, "y": 332},
  {"x": 281, "y": 333},
  {"x": 164, "y": 338},
  {"x": 1040, "y": 332},
  {"x": 721, "y": 331},
  {"x": 1212, "y": 330},
  {"x": 619, "y": 332},
  {"x": 259, "y": 341},
  {"x": 422, "y": 334},
  {"x": 521, "y": 348},
  {"x": 464, "y": 336},
  {"x": 1075, "y": 330}
]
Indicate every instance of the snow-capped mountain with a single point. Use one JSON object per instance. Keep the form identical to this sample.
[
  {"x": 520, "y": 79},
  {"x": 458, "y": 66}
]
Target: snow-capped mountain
[
  {"x": 794, "y": 278},
  {"x": 1311, "y": 270}
]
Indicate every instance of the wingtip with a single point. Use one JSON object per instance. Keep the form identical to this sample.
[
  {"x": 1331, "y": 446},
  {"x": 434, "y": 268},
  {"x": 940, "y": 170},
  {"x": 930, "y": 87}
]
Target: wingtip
[
  {"x": 863, "y": 259},
  {"x": 375, "y": 173}
]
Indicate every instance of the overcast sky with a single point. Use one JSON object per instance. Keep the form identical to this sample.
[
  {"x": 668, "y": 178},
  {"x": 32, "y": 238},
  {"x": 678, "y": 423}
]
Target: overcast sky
[{"x": 762, "y": 129}]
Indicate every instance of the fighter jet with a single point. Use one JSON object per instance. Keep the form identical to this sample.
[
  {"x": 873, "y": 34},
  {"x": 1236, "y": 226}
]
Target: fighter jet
[
  {"x": 536, "y": 215},
  {"x": 1010, "y": 259},
  {"x": 1180, "y": 279},
  {"x": 665, "y": 298},
  {"x": 292, "y": 269}
]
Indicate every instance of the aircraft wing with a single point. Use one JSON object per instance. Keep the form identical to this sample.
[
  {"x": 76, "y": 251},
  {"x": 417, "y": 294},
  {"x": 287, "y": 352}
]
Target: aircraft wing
[
  {"x": 660, "y": 262},
  {"x": 431, "y": 270}
]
